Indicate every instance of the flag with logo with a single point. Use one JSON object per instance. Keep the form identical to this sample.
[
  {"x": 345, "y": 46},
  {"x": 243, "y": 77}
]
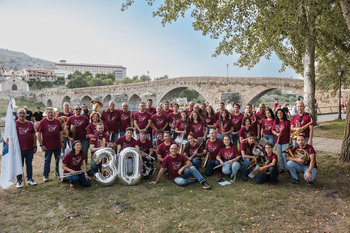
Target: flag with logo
[{"x": 11, "y": 163}]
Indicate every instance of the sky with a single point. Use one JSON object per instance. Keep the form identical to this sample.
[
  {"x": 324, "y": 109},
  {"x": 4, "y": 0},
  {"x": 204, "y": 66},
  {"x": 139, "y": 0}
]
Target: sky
[{"x": 91, "y": 31}]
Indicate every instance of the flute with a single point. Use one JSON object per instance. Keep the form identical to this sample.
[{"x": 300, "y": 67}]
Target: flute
[
  {"x": 147, "y": 156},
  {"x": 69, "y": 174},
  {"x": 226, "y": 162},
  {"x": 194, "y": 154}
]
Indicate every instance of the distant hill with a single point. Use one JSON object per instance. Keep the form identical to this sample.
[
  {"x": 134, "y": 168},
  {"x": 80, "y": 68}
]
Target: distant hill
[{"x": 18, "y": 60}]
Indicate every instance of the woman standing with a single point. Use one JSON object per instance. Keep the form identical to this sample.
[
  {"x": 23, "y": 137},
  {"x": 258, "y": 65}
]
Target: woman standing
[
  {"x": 209, "y": 119},
  {"x": 229, "y": 158},
  {"x": 196, "y": 125},
  {"x": 266, "y": 127},
  {"x": 72, "y": 163},
  {"x": 224, "y": 125},
  {"x": 281, "y": 130}
]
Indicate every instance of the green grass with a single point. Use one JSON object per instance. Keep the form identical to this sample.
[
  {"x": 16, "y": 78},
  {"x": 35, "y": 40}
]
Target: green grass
[
  {"x": 20, "y": 103},
  {"x": 165, "y": 207},
  {"x": 331, "y": 129}
]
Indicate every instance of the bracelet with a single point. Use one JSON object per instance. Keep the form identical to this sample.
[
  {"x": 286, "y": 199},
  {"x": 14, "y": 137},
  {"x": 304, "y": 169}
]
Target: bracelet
[{"x": 309, "y": 172}]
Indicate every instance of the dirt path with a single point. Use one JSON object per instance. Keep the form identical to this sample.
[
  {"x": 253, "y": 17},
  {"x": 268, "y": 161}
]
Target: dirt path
[{"x": 327, "y": 144}]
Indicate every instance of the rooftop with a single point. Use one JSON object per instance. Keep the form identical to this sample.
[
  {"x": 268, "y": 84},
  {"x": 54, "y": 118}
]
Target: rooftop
[{"x": 89, "y": 65}]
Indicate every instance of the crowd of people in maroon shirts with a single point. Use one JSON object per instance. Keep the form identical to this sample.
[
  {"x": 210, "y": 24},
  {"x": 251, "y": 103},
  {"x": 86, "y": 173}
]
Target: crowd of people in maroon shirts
[{"x": 221, "y": 141}]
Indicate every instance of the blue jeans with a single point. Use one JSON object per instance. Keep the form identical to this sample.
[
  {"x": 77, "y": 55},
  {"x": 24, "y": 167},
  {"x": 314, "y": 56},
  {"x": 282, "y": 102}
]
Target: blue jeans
[
  {"x": 79, "y": 178},
  {"x": 182, "y": 180},
  {"x": 197, "y": 162},
  {"x": 209, "y": 170},
  {"x": 245, "y": 165},
  {"x": 231, "y": 169},
  {"x": 85, "y": 145},
  {"x": 268, "y": 177},
  {"x": 28, "y": 155},
  {"x": 235, "y": 139},
  {"x": 296, "y": 168},
  {"x": 47, "y": 161},
  {"x": 270, "y": 138},
  {"x": 282, "y": 157},
  {"x": 66, "y": 143},
  {"x": 295, "y": 141}
]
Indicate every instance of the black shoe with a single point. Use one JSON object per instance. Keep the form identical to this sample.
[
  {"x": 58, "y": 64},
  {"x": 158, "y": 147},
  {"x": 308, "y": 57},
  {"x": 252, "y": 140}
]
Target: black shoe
[
  {"x": 205, "y": 185},
  {"x": 220, "y": 180},
  {"x": 310, "y": 183},
  {"x": 294, "y": 182},
  {"x": 244, "y": 177}
]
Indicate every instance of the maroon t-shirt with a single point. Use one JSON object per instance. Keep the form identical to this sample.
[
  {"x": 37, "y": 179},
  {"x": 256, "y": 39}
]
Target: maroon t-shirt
[
  {"x": 142, "y": 119},
  {"x": 189, "y": 111},
  {"x": 270, "y": 158},
  {"x": 174, "y": 118},
  {"x": 91, "y": 129},
  {"x": 146, "y": 146},
  {"x": 197, "y": 129},
  {"x": 74, "y": 161},
  {"x": 237, "y": 121},
  {"x": 228, "y": 154},
  {"x": 151, "y": 110},
  {"x": 267, "y": 126},
  {"x": 111, "y": 120},
  {"x": 260, "y": 116},
  {"x": 210, "y": 120},
  {"x": 25, "y": 134},
  {"x": 284, "y": 128},
  {"x": 174, "y": 164},
  {"x": 310, "y": 149},
  {"x": 167, "y": 113},
  {"x": 213, "y": 148},
  {"x": 124, "y": 120},
  {"x": 181, "y": 126},
  {"x": 243, "y": 132},
  {"x": 226, "y": 125},
  {"x": 99, "y": 141},
  {"x": 125, "y": 143},
  {"x": 300, "y": 121},
  {"x": 159, "y": 121},
  {"x": 254, "y": 126},
  {"x": 247, "y": 148},
  {"x": 156, "y": 143},
  {"x": 81, "y": 124},
  {"x": 51, "y": 133},
  {"x": 189, "y": 150},
  {"x": 163, "y": 150},
  {"x": 63, "y": 114}
]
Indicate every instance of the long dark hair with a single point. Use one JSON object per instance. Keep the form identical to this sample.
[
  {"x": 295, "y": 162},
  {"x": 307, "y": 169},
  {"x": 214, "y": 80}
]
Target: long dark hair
[
  {"x": 212, "y": 113},
  {"x": 227, "y": 115},
  {"x": 284, "y": 116},
  {"x": 245, "y": 119},
  {"x": 231, "y": 143},
  {"x": 271, "y": 112},
  {"x": 73, "y": 144},
  {"x": 199, "y": 119}
]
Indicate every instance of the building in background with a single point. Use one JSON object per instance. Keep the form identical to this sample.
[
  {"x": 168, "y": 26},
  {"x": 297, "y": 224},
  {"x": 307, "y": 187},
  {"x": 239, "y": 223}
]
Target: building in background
[
  {"x": 13, "y": 86},
  {"x": 119, "y": 71},
  {"x": 37, "y": 74}
]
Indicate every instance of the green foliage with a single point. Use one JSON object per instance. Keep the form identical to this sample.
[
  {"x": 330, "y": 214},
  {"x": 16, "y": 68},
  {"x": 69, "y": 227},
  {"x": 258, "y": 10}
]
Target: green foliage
[
  {"x": 127, "y": 80},
  {"x": 145, "y": 78},
  {"x": 164, "y": 77},
  {"x": 190, "y": 94},
  {"x": 77, "y": 79},
  {"x": 35, "y": 84}
]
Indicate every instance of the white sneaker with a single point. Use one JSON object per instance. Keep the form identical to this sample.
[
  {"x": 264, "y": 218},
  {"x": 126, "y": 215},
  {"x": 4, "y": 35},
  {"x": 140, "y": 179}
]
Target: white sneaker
[
  {"x": 19, "y": 185},
  {"x": 46, "y": 179},
  {"x": 31, "y": 182}
]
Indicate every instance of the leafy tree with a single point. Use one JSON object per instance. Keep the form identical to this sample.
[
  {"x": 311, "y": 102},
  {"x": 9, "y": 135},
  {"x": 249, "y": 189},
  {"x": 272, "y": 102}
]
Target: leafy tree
[
  {"x": 78, "y": 81},
  {"x": 126, "y": 80},
  {"x": 86, "y": 73},
  {"x": 145, "y": 78},
  {"x": 163, "y": 77},
  {"x": 110, "y": 76},
  {"x": 189, "y": 94},
  {"x": 257, "y": 28}
]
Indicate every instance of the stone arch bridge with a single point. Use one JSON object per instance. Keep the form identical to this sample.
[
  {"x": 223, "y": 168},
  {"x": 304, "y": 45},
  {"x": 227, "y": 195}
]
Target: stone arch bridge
[{"x": 212, "y": 89}]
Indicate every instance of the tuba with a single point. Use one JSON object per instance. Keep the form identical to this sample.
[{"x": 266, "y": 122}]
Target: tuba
[
  {"x": 95, "y": 104},
  {"x": 63, "y": 120},
  {"x": 129, "y": 177}
]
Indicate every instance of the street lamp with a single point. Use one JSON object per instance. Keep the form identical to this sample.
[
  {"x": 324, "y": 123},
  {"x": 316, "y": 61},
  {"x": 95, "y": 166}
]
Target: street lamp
[
  {"x": 227, "y": 72},
  {"x": 340, "y": 74}
]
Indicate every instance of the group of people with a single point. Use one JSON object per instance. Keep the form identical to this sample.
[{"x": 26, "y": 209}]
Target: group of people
[{"x": 224, "y": 141}]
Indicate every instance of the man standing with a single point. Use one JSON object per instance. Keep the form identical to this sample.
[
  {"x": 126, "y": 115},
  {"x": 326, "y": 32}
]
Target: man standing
[
  {"x": 80, "y": 122},
  {"x": 85, "y": 111},
  {"x": 255, "y": 126},
  {"x": 29, "y": 114},
  {"x": 38, "y": 115},
  {"x": 50, "y": 137},
  {"x": 142, "y": 120},
  {"x": 27, "y": 142},
  {"x": 299, "y": 121},
  {"x": 237, "y": 119},
  {"x": 110, "y": 117},
  {"x": 126, "y": 119},
  {"x": 66, "y": 113},
  {"x": 180, "y": 168}
]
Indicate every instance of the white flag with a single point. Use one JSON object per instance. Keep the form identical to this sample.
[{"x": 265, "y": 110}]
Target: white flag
[{"x": 11, "y": 164}]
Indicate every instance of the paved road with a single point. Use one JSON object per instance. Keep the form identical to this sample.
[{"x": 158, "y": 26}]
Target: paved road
[
  {"x": 327, "y": 144},
  {"x": 329, "y": 117}
]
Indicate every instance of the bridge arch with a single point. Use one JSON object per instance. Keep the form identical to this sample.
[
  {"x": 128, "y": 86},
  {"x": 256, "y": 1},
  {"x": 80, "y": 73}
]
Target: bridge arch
[
  {"x": 134, "y": 102},
  {"x": 106, "y": 99},
  {"x": 171, "y": 94},
  {"x": 66, "y": 99},
  {"x": 49, "y": 103},
  {"x": 86, "y": 100}
]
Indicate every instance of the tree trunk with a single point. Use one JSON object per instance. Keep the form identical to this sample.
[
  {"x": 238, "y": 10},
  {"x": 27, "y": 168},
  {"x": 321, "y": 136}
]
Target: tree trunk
[
  {"x": 345, "y": 7},
  {"x": 345, "y": 148},
  {"x": 309, "y": 77}
]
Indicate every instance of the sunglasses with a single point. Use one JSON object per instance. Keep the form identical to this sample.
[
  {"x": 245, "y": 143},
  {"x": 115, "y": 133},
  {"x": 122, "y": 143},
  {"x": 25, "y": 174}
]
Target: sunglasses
[{"x": 78, "y": 109}]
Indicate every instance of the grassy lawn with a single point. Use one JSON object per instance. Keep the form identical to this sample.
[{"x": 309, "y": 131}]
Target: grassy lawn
[
  {"x": 165, "y": 207},
  {"x": 20, "y": 104},
  {"x": 331, "y": 129}
]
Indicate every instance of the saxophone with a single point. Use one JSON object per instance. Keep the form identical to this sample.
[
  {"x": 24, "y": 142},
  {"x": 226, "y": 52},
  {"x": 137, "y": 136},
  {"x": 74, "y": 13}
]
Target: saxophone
[{"x": 295, "y": 134}]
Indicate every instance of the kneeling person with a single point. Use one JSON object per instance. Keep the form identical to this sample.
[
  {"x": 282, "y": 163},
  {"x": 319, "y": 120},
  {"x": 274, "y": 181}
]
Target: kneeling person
[
  {"x": 180, "y": 168},
  {"x": 306, "y": 165},
  {"x": 72, "y": 163},
  {"x": 270, "y": 167}
]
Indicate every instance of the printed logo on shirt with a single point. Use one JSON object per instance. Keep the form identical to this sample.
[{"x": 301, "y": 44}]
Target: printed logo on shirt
[
  {"x": 78, "y": 123},
  {"x": 142, "y": 118},
  {"x": 23, "y": 131},
  {"x": 51, "y": 128},
  {"x": 279, "y": 128},
  {"x": 160, "y": 121},
  {"x": 176, "y": 165},
  {"x": 235, "y": 121},
  {"x": 211, "y": 148},
  {"x": 228, "y": 155},
  {"x": 197, "y": 128},
  {"x": 124, "y": 117},
  {"x": 268, "y": 127},
  {"x": 76, "y": 161}
]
